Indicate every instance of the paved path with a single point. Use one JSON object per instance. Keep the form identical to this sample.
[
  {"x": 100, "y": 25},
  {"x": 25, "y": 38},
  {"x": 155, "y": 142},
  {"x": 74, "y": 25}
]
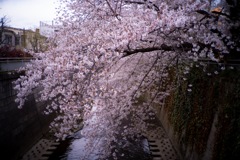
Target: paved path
[
  {"x": 41, "y": 151},
  {"x": 160, "y": 145}
]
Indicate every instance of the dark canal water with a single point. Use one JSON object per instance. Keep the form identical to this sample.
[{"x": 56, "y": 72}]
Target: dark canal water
[{"x": 73, "y": 149}]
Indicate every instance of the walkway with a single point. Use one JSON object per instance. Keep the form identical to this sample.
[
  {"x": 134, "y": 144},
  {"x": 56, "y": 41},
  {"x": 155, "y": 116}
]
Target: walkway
[
  {"x": 42, "y": 150},
  {"x": 160, "y": 146}
]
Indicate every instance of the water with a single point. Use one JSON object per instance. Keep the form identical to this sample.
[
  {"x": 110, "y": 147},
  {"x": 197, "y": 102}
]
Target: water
[{"x": 73, "y": 149}]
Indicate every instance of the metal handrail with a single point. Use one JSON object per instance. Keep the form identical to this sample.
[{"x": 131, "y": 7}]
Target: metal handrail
[
  {"x": 229, "y": 62},
  {"x": 15, "y": 59}
]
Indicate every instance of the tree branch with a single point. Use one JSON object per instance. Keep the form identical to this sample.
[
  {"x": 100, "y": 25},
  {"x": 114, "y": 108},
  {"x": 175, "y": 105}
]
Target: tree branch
[
  {"x": 183, "y": 47},
  {"x": 143, "y": 3}
]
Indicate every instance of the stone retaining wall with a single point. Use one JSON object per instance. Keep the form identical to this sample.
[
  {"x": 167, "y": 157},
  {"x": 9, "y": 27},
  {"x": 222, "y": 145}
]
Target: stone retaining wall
[
  {"x": 19, "y": 128},
  {"x": 204, "y": 124}
]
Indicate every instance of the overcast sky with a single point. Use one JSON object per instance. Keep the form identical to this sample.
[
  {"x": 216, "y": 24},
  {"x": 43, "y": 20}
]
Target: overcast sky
[{"x": 28, "y": 13}]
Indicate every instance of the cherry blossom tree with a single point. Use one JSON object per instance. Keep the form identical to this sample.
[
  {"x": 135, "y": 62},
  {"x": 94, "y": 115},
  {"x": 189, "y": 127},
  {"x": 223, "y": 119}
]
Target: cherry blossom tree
[{"x": 112, "y": 61}]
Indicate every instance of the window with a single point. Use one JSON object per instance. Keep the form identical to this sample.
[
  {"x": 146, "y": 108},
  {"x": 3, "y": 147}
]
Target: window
[
  {"x": 17, "y": 41},
  {"x": 8, "y": 39}
]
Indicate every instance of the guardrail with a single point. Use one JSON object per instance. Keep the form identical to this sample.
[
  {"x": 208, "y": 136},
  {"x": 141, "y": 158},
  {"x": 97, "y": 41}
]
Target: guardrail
[
  {"x": 208, "y": 61},
  {"x": 10, "y": 59},
  {"x": 13, "y": 63},
  {"x": 228, "y": 63}
]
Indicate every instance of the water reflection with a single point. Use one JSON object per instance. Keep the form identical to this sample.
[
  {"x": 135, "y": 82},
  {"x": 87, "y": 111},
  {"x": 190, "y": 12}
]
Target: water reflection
[{"x": 73, "y": 149}]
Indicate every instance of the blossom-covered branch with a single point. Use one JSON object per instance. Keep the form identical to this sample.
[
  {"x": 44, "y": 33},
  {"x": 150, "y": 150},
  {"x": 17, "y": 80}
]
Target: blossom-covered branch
[{"x": 111, "y": 61}]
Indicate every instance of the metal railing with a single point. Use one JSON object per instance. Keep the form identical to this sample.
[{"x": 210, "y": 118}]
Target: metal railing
[
  {"x": 15, "y": 59},
  {"x": 13, "y": 63}
]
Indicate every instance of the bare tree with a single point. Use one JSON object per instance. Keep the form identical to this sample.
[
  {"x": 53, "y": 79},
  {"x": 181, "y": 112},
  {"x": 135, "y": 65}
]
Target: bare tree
[
  {"x": 37, "y": 42},
  {"x": 3, "y": 23}
]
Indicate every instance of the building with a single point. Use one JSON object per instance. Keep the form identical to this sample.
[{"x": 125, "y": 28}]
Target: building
[
  {"x": 21, "y": 39},
  {"x": 34, "y": 41},
  {"x": 11, "y": 37},
  {"x": 47, "y": 30}
]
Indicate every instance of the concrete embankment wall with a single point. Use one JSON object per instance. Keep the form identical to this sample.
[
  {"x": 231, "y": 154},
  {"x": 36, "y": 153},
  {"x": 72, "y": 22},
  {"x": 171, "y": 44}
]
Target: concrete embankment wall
[
  {"x": 204, "y": 124},
  {"x": 19, "y": 128}
]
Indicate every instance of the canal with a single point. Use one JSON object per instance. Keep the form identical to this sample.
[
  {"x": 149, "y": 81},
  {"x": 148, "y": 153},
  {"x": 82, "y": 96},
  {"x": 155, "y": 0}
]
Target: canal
[{"x": 73, "y": 149}]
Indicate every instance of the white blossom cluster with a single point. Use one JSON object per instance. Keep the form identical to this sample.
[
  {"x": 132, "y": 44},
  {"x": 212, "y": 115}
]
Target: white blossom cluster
[{"x": 107, "y": 54}]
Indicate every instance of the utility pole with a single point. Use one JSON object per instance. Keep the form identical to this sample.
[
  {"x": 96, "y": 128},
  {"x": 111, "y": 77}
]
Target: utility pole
[{"x": 1, "y": 30}]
